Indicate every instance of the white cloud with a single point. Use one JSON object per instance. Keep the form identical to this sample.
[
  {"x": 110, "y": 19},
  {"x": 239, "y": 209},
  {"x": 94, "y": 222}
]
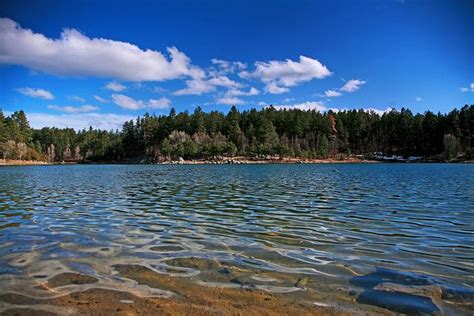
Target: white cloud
[
  {"x": 224, "y": 66},
  {"x": 201, "y": 86},
  {"x": 162, "y": 103},
  {"x": 77, "y": 98},
  {"x": 224, "y": 81},
  {"x": 195, "y": 87},
  {"x": 236, "y": 92},
  {"x": 352, "y": 85},
  {"x": 107, "y": 121},
  {"x": 73, "y": 109},
  {"x": 230, "y": 101},
  {"x": 278, "y": 76},
  {"x": 274, "y": 89},
  {"x": 36, "y": 93},
  {"x": 115, "y": 86},
  {"x": 75, "y": 54},
  {"x": 471, "y": 88},
  {"x": 100, "y": 99},
  {"x": 306, "y": 106},
  {"x": 332, "y": 93},
  {"x": 262, "y": 103},
  {"x": 419, "y": 99},
  {"x": 129, "y": 103}
]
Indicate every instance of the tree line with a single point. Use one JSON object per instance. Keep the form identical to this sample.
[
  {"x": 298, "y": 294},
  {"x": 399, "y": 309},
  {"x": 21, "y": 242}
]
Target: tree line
[{"x": 251, "y": 133}]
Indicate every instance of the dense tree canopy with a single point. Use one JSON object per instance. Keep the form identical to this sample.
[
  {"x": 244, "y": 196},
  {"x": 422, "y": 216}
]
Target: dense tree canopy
[{"x": 284, "y": 133}]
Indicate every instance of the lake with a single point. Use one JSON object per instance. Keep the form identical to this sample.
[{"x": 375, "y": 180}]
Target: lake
[{"x": 363, "y": 237}]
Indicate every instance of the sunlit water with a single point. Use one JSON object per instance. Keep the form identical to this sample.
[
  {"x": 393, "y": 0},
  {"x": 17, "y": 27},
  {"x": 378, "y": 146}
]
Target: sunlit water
[{"x": 342, "y": 224}]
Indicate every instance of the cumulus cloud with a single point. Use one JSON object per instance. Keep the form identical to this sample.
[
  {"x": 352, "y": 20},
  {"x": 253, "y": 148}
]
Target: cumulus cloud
[
  {"x": 230, "y": 101},
  {"x": 78, "y": 121},
  {"x": 352, "y": 85},
  {"x": 471, "y": 88},
  {"x": 201, "y": 86},
  {"x": 115, "y": 86},
  {"x": 224, "y": 66},
  {"x": 418, "y": 99},
  {"x": 332, "y": 93},
  {"x": 195, "y": 87},
  {"x": 162, "y": 103},
  {"x": 278, "y": 76},
  {"x": 129, "y": 103},
  {"x": 274, "y": 89},
  {"x": 236, "y": 92},
  {"x": 73, "y": 109},
  {"x": 36, "y": 93},
  {"x": 75, "y": 54},
  {"x": 100, "y": 99},
  {"x": 224, "y": 81}
]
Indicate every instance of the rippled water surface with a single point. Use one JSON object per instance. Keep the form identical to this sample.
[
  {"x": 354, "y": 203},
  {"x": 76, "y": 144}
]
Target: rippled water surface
[{"x": 347, "y": 226}]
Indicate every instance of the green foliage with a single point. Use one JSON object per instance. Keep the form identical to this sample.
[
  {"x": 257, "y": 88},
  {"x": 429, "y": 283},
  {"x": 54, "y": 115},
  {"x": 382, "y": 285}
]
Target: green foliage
[{"x": 284, "y": 133}]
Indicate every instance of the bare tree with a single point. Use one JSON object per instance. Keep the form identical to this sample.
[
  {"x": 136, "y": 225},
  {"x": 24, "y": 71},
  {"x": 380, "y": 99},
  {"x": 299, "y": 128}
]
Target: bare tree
[
  {"x": 451, "y": 145},
  {"x": 21, "y": 150},
  {"x": 50, "y": 153},
  {"x": 8, "y": 148},
  {"x": 77, "y": 152},
  {"x": 67, "y": 152}
]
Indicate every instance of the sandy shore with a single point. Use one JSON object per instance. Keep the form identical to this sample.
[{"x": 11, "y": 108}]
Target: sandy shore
[
  {"x": 11, "y": 162},
  {"x": 187, "y": 296}
]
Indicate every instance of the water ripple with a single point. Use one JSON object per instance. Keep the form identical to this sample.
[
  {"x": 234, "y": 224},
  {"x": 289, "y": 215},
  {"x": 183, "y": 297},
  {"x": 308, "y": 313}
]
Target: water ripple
[{"x": 331, "y": 221}]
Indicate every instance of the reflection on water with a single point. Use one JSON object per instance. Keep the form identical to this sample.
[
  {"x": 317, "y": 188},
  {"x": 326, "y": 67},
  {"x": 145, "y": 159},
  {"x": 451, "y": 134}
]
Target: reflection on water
[{"x": 382, "y": 232}]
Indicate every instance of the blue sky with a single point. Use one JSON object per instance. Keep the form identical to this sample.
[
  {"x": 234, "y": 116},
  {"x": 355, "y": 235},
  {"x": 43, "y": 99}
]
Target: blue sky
[{"x": 80, "y": 63}]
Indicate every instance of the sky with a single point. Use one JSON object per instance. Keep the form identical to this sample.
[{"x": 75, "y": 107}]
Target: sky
[{"x": 99, "y": 63}]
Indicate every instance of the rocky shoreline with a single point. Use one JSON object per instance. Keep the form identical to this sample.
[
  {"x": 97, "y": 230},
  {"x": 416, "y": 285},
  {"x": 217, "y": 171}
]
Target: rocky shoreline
[{"x": 247, "y": 160}]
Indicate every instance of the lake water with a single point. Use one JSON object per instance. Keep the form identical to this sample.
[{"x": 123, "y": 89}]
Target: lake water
[{"x": 348, "y": 228}]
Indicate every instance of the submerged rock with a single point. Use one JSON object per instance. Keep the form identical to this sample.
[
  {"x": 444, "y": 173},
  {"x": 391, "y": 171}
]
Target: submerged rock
[
  {"x": 457, "y": 293},
  {"x": 302, "y": 282},
  {"x": 432, "y": 291},
  {"x": 399, "y": 302}
]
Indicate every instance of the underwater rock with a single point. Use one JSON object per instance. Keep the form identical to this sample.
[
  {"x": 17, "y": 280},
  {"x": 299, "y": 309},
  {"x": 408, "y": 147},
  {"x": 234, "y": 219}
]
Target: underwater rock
[{"x": 399, "y": 302}]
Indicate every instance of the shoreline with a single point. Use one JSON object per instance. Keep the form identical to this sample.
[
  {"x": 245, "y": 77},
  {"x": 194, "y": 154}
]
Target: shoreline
[
  {"x": 224, "y": 161},
  {"x": 16, "y": 162},
  {"x": 227, "y": 290},
  {"x": 247, "y": 160}
]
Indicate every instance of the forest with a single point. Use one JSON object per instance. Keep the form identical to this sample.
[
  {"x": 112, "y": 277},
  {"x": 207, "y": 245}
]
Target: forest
[{"x": 252, "y": 133}]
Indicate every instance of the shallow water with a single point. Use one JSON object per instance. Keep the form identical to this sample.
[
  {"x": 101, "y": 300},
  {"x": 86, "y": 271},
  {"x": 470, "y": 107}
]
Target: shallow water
[{"x": 342, "y": 226}]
